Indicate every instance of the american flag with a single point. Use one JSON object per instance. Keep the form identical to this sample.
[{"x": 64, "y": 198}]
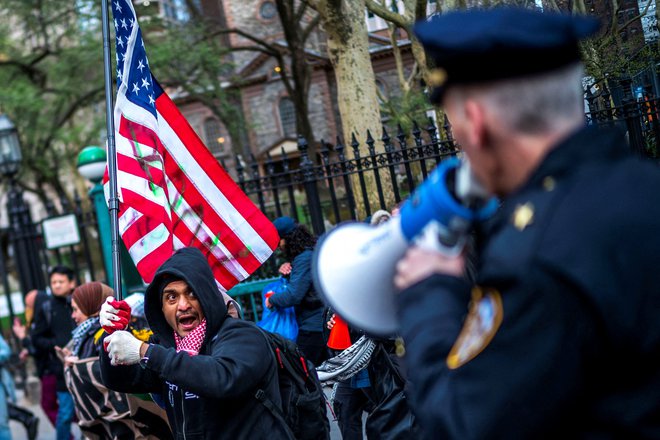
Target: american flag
[{"x": 173, "y": 193}]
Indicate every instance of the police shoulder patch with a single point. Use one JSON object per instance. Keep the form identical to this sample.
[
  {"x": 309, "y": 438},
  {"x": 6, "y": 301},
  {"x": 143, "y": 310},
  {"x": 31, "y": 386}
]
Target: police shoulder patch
[{"x": 483, "y": 321}]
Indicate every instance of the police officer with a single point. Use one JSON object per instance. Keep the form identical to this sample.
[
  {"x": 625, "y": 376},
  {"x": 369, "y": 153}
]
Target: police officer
[{"x": 559, "y": 335}]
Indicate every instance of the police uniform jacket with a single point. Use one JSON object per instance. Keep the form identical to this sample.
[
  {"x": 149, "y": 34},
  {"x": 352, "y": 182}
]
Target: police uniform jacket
[{"x": 560, "y": 337}]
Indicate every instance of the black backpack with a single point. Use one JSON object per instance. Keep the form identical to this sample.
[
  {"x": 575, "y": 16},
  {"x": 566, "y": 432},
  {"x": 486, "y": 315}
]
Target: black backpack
[{"x": 303, "y": 402}]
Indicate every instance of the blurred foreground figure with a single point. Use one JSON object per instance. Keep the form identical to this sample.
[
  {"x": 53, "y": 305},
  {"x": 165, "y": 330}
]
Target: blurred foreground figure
[{"x": 558, "y": 335}]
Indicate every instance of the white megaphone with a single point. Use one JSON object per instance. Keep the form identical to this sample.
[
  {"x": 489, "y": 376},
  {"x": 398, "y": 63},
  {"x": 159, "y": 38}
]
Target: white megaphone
[{"x": 353, "y": 265}]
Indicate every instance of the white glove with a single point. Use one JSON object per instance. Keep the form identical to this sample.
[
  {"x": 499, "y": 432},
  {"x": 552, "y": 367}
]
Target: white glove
[
  {"x": 123, "y": 348},
  {"x": 114, "y": 315}
]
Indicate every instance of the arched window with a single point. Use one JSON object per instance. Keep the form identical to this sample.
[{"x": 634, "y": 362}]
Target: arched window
[
  {"x": 213, "y": 136},
  {"x": 288, "y": 117}
]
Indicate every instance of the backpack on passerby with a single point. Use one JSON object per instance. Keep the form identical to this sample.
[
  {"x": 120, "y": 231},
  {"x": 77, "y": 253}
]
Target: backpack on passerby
[{"x": 303, "y": 402}]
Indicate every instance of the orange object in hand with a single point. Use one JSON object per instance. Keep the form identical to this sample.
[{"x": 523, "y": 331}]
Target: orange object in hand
[{"x": 339, "y": 338}]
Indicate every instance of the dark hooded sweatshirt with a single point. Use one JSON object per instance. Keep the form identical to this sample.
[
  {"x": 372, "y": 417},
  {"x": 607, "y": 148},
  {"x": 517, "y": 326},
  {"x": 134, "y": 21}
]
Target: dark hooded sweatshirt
[{"x": 211, "y": 395}]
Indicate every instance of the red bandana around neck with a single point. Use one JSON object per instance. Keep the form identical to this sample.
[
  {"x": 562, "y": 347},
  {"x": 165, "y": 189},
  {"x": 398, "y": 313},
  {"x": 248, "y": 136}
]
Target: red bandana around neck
[{"x": 192, "y": 342}]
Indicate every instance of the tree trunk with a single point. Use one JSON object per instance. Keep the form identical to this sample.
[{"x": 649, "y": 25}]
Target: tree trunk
[{"x": 348, "y": 50}]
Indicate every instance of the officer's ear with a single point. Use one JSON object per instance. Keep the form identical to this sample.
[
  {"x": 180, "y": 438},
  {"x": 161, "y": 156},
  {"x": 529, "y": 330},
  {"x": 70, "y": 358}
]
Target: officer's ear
[{"x": 476, "y": 129}]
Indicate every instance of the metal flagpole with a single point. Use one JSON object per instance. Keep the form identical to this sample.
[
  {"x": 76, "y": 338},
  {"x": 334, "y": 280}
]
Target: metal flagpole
[{"x": 113, "y": 202}]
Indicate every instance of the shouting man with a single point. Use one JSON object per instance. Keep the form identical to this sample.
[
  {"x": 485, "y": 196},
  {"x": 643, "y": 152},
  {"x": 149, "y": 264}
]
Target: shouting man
[{"x": 206, "y": 366}]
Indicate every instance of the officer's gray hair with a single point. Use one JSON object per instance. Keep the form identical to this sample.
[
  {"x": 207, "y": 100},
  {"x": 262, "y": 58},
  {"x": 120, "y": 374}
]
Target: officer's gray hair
[{"x": 537, "y": 104}]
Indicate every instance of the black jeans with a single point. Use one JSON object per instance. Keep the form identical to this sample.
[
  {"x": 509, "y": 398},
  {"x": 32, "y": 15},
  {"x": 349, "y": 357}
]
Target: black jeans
[{"x": 349, "y": 406}]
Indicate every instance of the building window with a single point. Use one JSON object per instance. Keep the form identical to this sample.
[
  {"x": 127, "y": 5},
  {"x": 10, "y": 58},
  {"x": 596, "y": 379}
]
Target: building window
[
  {"x": 215, "y": 140},
  {"x": 288, "y": 117},
  {"x": 267, "y": 10}
]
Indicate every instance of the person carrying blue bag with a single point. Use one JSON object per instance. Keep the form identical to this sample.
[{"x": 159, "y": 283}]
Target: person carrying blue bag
[
  {"x": 297, "y": 245},
  {"x": 281, "y": 321}
]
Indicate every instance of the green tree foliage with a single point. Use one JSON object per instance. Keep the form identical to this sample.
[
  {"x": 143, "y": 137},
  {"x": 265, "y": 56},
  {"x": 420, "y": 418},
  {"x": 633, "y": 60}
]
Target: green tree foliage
[{"x": 51, "y": 68}]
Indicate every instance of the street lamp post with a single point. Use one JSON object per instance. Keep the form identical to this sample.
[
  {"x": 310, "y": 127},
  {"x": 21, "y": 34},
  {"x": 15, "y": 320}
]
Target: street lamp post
[
  {"x": 91, "y": 165},
  {"x": 23, "y": 232}
]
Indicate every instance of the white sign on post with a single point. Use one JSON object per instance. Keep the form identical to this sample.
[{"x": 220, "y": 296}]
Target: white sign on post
[{"x": 61, "y": 231}]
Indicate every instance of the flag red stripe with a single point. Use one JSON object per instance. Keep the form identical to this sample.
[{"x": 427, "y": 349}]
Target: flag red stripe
[{"x": 136, "y": 132}]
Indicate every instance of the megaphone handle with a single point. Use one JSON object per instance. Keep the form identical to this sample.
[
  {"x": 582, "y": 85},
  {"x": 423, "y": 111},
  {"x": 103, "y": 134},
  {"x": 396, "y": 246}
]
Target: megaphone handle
[{"x": 429, "y": 239}]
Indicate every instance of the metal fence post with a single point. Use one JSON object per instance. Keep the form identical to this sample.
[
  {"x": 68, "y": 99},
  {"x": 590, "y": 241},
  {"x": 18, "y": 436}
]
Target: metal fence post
[
  {"x": 309, "y": 181},
  {"x": 633, "y": 123},
  {"x": 23, "y": 237}
]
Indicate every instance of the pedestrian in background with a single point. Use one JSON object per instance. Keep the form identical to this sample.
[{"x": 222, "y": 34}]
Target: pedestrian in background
[
  {"x": 52, "y": 328},
  {"x": 297, "y": 244},
  {"x": 559, "y": 336}
]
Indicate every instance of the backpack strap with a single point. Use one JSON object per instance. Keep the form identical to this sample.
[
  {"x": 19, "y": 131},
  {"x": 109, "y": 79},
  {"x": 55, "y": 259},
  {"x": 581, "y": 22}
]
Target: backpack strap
[{"x": 260, "y": 395}]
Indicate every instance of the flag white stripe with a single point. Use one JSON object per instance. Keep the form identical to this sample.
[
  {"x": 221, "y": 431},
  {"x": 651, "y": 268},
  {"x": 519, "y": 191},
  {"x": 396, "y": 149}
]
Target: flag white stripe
[
  {"x": 128, "y": 218},
  {"x": 144, "y": 188},
  {"x": 149, "y": 243}
]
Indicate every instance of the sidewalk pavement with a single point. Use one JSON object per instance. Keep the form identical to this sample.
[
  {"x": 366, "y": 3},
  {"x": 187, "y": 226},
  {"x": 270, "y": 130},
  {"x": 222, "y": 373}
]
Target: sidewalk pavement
[{"x": 47, "y": 431}]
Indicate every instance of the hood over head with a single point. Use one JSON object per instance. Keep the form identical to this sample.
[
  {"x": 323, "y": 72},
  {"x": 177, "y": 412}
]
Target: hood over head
[{"x": 189, "y": 265}]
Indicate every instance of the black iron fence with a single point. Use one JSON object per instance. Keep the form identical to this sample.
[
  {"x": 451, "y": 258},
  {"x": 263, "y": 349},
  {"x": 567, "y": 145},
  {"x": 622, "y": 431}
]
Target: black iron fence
[
  {"x": 25, "y": 258},
  {"x": 343, "y": 184},
  {"x": 327, "y": 192},
  {"x": 324, "y": 193},
  {"x": 638, "y": 118}
]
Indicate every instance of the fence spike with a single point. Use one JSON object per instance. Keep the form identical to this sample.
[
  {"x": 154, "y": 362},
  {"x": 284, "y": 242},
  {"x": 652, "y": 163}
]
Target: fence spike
[
  {"x": 354, "y": 143},
  {"x": 303, "y": 146},
  {"x": 417, "y": 133},
  {"x": 285, "y": 160},
  {"x": 385, "y": 137},
  {"x": 447, "y": 129},
  {"x": 325, "y": 150},
  {"x": 339, "y": 148},
  {"x": 386, "y": 140},
  {"x": 401, "y": 136},
  {"x": 239, "y": 164}
]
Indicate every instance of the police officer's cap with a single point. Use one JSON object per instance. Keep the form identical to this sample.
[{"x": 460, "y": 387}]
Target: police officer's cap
[{"x": 481, "y": 46}]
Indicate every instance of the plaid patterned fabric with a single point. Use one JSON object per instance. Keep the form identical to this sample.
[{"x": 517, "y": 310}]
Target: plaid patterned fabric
[{"x": 193, "y": 340}]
